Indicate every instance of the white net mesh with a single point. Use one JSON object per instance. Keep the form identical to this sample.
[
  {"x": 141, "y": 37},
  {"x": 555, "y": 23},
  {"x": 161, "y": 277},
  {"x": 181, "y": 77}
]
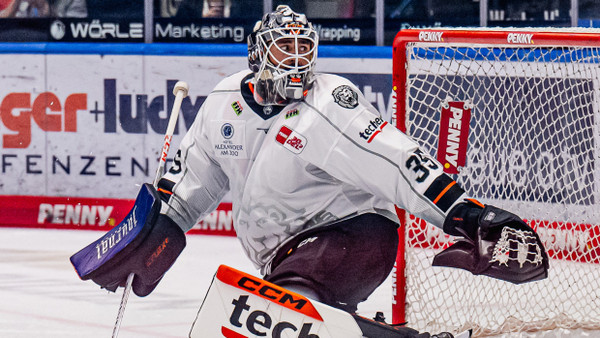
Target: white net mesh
[{"x": 533, "y": 149}]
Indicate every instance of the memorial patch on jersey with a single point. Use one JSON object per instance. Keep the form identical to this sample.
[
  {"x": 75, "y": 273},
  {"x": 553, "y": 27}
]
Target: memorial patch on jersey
[
  {"x": 291, "y": 113},
  {"x": 291, "y": 140},
  {"x": 237, "y": 107},
  {"x": 345, "y": 96},
  {"x": 229, "y": 139}
]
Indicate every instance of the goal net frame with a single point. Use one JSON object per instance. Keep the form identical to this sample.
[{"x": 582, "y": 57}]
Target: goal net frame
[{"x": 445, "y": 47}]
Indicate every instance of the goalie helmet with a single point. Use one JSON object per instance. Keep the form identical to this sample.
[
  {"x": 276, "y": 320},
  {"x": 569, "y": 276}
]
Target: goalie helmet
[{"x": 282, "y": 50}]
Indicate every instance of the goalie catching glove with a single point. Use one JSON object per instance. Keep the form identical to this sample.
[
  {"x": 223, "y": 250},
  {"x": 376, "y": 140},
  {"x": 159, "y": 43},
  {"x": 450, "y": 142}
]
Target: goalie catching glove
[
  {"x": 495, "y": 243},
  {"x": 145, "y": 243}
]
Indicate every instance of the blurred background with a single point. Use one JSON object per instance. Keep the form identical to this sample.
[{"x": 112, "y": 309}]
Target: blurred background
[{"x": 349, "y": 22}]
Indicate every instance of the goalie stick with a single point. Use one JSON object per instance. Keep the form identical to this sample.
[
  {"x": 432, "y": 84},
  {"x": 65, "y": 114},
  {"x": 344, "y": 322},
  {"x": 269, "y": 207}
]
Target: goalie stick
[{"x": 180, "y": 91}]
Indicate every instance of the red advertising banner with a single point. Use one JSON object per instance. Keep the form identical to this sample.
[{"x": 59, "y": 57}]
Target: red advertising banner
[
  {"x": 570, "y": 241},
  {"x": 62, "y": 212},
  {"x": 454, "y": 136},
  {"x": 91, "y": 214}
]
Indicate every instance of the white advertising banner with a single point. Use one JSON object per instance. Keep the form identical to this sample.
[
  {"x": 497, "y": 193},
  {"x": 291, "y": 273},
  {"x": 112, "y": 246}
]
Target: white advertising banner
[
  {"x": 93, "y": 125},
  {"x": 90, "y": 125}
]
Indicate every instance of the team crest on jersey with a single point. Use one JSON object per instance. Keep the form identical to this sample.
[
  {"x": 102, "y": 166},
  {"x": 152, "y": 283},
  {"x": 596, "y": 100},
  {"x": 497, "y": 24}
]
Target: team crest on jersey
[
  {"x": 267, "y": 110},
  {"x": 291, "y": 140},
  {"x": 345, "y": 96}
]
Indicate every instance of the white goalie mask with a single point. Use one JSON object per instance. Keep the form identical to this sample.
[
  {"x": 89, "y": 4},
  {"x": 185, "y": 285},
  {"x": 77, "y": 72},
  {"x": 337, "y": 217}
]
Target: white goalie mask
[{"x": 282, "y": 50}]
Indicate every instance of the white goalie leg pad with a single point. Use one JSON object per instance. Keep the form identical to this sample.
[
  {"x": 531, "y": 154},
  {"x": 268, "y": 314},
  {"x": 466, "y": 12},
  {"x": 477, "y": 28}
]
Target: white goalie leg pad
[{"x": 239, "y": 305}]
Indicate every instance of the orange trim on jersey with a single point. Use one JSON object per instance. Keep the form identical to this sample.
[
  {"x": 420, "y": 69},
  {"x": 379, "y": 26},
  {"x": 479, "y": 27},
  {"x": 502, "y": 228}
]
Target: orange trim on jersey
[
  {"x": 476, "y": 202},
  {"x": 269, "y": 291},
  {"x": 251, "y": 86},
  {"x": 165, "y": 191},
  {"x": 443, "y": 192}
]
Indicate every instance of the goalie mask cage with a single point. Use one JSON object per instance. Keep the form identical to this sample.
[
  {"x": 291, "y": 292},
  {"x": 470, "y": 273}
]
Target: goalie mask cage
[{"x": 513, "y": 115}]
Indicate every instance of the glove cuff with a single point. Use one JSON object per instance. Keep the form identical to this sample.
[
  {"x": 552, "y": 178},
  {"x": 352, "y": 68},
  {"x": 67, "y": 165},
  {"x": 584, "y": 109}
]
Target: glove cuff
[{"x": 463, "y": 220}]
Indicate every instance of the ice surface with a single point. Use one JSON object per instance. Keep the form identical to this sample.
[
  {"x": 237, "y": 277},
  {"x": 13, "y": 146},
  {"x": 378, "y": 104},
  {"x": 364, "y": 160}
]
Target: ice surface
[{"x": 41, "y": 295}]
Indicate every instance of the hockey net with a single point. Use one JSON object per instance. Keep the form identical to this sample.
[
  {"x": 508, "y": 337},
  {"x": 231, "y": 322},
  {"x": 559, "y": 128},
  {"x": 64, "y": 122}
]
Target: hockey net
[{"x": 514, "y": 117}]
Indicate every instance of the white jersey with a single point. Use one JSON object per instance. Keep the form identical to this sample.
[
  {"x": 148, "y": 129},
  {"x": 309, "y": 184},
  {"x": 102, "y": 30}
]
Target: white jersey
[{"x": 304, "y": 165}]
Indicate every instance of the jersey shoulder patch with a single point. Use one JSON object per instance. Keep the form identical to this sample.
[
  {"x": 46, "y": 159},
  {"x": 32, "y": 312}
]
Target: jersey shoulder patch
[
  {"x": 345, "y": 96},
  {"x": 339, "y": 90}
]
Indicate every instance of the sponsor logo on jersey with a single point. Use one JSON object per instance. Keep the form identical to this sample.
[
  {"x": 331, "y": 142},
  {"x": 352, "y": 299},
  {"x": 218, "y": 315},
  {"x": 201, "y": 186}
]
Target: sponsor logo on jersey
[
  {"x": 454, "y": 136},
  {"x": 291, "y": 140},
  {"x": 373, "y": 129},
  {"x": 232, "y": 143},
  {"x": 237, "y": 108},
  {"x": 520, "y": 38},
  {"x": 227, "y": 131},
  {"x": 431, "y": 36},
  {"x": 345, "y": 96},
  {"x": 292, "y": 113}
]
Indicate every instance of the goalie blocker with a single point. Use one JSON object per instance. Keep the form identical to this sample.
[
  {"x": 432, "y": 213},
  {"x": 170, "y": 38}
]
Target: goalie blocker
[
  {"x": 495, "y": 243},
  {"x": 146, "y": 243}
]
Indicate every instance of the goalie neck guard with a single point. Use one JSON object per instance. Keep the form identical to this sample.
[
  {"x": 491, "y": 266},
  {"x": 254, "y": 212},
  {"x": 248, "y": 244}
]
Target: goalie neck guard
[{"x": 282, "y": 50}]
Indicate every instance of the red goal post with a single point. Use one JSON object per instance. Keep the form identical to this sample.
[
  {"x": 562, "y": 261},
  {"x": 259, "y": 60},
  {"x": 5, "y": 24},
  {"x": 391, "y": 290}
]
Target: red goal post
[{"x": 529, "y": 105}]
